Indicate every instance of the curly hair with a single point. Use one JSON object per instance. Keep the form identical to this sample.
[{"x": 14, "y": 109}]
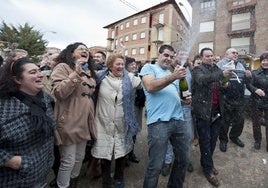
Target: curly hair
[{"x": 66, "y": 56}]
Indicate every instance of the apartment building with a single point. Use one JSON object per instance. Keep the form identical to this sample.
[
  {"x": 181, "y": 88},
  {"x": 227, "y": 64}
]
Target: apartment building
[
  {"x": 141, "y": 34},
  {"x": 220, "y": 24}
]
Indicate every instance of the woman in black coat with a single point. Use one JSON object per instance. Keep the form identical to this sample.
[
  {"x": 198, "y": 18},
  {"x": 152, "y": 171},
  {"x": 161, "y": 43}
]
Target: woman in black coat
[{"x": 259, "y": 91}]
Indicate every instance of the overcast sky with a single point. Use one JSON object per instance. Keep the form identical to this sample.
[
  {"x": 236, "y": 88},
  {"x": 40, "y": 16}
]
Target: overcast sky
[{"x": 66, "y": 21}]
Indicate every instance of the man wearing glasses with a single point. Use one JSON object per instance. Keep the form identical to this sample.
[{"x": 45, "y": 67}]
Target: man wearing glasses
[
  {"x": 165, "y": 119},
  {"x": 233, "y": 100}
]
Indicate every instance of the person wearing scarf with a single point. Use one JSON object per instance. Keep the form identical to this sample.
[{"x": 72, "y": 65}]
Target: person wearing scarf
[
  {"x": 27, "y": 126},
  {"x": 115, "y": 118}
]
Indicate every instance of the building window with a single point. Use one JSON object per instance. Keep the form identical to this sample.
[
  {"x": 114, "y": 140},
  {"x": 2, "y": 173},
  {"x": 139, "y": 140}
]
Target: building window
[
  {"x": 208, "y": 4},
  {"x": 205, "y": 45},
  {"x": 241, "y": 44},
  {"x": 160, "y": 34},
  {"x": 134, "y": 36},
  {"x": 121, "y": 27},
  {"x": 116, "y": 42},
  {"x": 240, "y": 2},
  {"x": 135, "y": 22},
  {"x": 142, "y": 35},
  {"x": 142, "y": 50},
  {"x": 113, "y": 34},
  {"x": 161, "y": 18},
  {"x": 143, "y": 20},
  {"x": 127, "y": 38},
  {"x": 207, "y": 26},
  {"x": 134, "y": 51},
  {"x": 127, "y": 25},
  {"x": 126, "y": 52},
  {"x": 241, "y": 21},
  {"x": 112, "y": 45}
]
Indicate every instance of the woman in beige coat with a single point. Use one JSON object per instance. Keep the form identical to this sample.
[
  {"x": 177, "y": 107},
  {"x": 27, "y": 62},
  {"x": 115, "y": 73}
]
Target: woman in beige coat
[
  {"x": 115, "y": 118},
  {"x": 73, "y": 81}
]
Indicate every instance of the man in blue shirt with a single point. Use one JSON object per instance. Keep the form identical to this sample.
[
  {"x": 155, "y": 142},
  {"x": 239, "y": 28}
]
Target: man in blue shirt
[{"x": 165, "y": 119}]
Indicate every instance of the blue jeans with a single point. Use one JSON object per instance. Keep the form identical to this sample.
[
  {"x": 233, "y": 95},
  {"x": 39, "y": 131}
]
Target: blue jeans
[
  {"x": 188, "y": 120},
  {"x": 159, "y": 134},
  {"x": 208, "y": 135}
]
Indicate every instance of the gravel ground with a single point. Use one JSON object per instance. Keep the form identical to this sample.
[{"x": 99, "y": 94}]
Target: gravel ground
[{"x": 238, "y": 167}]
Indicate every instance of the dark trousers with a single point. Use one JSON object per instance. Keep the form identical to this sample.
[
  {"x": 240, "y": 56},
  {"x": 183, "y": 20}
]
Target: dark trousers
[
  {"x": 257, "y": 115},
  {"x": 232, "y": 117},
  {"x": 56, "y": 164},
  {"x": 208, "y": 134},
  {"x": 106, "y": 171}
]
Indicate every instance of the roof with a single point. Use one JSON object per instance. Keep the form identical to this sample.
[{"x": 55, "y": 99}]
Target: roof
[{"x": 173, "y": 2}]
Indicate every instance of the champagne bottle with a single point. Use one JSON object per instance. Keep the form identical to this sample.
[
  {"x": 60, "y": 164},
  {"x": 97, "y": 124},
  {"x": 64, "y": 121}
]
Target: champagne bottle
[
  {"x": 184, "y": 90},
  {"x": 225, "y": 80}
]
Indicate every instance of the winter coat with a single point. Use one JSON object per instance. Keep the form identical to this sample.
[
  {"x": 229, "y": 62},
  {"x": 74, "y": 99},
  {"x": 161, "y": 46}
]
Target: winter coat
[
  {"x": 203, "y": 78},
  {"x": 74, "y": 107},
  {"x": 18, "y": 136},
  {"x": 110, "y": 122},
  {"x": 233, "y": 95},
  {"x": 259, "y": 81}
]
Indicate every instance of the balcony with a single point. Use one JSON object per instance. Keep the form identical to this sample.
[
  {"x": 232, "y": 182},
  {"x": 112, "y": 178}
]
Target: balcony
[
  {"x": 110, "y": 38},
  {"x": 158, "y": 42},
  {"x": 109, "y": 50},
  {"x": 240, "y": 5},
  {"x": 159, "y": 25}
]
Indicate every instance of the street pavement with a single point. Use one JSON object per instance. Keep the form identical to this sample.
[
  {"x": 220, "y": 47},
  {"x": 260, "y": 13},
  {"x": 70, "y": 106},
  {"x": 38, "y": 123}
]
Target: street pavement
[{"x": 238, "y": 167}]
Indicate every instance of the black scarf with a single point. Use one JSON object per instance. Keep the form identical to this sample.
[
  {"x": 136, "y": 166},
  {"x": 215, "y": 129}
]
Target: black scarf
[{"x": 41, "y": 122}]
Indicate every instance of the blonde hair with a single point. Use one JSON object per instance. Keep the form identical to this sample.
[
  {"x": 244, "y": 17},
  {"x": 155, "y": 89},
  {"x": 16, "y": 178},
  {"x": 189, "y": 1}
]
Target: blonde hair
[{"x": 111, "y": 59}]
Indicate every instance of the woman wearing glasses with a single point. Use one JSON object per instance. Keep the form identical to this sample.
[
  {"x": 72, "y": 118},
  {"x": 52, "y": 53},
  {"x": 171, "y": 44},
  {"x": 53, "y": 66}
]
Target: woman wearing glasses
[{"x": 73, "y": 81}]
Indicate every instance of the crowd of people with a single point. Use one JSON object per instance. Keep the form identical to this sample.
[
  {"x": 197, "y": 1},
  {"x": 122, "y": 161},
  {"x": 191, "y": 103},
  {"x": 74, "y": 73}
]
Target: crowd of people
[{"x": 78, "y": 106}]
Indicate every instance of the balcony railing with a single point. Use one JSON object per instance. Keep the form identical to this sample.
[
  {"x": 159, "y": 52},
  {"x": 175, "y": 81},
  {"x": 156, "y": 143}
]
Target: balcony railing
[
  {"x": 240, "y": 4},
  {"x": 159, "y": 25}
]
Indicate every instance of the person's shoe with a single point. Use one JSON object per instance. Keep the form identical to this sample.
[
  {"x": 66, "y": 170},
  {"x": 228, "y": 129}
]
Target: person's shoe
[
  {"x": 215, "y": 171},
  {"x": 133, "y": 158},
  {"x": 212, "y": 179},
  {"x": 190, "y": 167},
  {"x": 119, "y": 184},
  {"x": 257, "y": 145},
  {"x": 238, "y": 142},
  {"x": 223, "y": 146},
  {"x": 166, "y": 170}
]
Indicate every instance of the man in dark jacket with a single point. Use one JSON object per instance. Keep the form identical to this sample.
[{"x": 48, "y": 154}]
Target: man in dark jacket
[
  {"x": 233, "y": 100},
  {"x": 205, "y": 104}
]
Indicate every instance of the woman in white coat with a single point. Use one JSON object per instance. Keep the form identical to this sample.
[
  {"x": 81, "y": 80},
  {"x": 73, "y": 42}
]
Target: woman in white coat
[{"x": 115, "y": 118}]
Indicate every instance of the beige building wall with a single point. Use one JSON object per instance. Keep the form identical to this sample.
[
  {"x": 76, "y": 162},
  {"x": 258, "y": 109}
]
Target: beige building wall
[
  {"x": 173, "y": 30},
  {"x": 222, "y": 35}
]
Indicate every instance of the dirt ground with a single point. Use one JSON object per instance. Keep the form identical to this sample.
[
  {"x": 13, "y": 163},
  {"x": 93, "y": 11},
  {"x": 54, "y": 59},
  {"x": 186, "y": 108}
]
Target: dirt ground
[{"x": 238, "y": 167}]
